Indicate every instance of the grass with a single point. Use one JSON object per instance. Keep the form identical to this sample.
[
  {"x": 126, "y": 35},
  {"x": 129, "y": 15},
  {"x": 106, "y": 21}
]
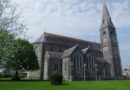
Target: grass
[{"x": 74, "y": 85}]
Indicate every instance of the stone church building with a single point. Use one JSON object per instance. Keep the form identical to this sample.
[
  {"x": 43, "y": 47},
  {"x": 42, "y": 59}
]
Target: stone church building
[{"x": 78, "y": 59}]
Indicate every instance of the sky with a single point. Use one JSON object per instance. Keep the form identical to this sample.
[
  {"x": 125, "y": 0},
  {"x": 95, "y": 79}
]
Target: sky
[{"x": 76, "y": 18}]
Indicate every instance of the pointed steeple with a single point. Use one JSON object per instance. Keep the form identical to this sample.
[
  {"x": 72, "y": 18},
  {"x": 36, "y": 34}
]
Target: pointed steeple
[
  {"x": 105, "y": 11},
  {"x": 106, "y": 18}
]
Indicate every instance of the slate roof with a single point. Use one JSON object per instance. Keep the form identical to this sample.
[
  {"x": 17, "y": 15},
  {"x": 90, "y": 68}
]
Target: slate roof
[
  {"x": 41, "y": 39},
  {"x": 66, "y": 41},
  {"x": 69, "y": 51},
  {"x": 54, "y": 55}
]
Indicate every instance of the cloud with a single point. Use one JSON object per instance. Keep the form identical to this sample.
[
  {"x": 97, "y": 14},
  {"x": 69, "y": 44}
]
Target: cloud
[
  {"x": 120, "y": 13},
  {"x": 68, "y": 16},
  {"x": 76, "y": 18}
]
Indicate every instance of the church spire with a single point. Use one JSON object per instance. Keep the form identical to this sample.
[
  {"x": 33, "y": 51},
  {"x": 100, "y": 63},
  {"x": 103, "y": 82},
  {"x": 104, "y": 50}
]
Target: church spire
[
  {"x": 106, "y": 18},
  {"x": 105, "y": 11}
]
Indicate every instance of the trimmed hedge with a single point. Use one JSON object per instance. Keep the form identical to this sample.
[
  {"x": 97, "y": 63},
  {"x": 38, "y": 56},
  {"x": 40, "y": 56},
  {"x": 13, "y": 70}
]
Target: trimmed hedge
[{"x": 56, "y": 78}]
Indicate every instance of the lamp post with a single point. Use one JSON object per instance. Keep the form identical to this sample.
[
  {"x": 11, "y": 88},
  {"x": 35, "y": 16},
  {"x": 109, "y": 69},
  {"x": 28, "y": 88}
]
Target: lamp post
[
  {"x": 84, "y": 71},
  {"x": 104, "y": 73},
  {"x": 96, "y": 70},
  {"x": 129, "y": 70}
]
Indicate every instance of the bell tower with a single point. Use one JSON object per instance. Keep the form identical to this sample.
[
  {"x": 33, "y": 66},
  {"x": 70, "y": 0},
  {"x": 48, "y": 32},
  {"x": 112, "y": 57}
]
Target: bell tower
[{"x": 109, "y": 44}]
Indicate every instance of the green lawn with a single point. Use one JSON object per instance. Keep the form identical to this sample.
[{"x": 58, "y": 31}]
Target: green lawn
[{"x": 75, "y": 85}]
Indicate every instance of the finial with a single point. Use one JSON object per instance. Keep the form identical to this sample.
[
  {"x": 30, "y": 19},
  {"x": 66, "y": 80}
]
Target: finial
[
  {"x": 44, "y": 30},
  {"x": 105, "y": 1}
]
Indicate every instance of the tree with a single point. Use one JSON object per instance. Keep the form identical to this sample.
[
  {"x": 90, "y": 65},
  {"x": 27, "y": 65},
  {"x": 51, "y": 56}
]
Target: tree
[
  {"x": 10, "y": 27},
  {"x": 6, "y": 40},
  {"x": 22, "y": 56},
  {"x": 9, "y": 19}
]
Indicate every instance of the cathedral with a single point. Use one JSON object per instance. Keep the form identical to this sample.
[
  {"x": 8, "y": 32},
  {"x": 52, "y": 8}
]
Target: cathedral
[{"x": 78, "y": 59}]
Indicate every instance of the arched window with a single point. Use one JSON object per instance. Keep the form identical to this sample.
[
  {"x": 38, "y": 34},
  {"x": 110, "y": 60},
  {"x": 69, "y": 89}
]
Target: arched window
[
  {"x": 66, "y": 65},
  {"x": 56, "y": 67}
]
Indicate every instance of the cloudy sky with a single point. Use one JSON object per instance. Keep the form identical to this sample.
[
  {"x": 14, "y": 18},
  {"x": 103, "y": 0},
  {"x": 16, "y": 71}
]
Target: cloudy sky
[{"x": 77, "y": 18}]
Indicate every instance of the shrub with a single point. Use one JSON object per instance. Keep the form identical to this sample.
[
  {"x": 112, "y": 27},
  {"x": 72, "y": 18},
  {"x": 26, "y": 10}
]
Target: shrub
[
  {"x": 15, "y": 78},
  {"x": 56, "y": 78}
]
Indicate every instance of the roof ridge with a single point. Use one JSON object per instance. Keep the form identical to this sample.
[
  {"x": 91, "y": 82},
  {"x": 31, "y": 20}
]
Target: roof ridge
[
  {"x": 70, "y": 37},
  {"x": 54, "y": 52}
]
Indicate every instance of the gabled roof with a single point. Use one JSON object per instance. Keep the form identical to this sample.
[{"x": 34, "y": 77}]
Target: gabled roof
[
  {"x": 69, "y": 51},
  {"x": 85, "y": 50},
  {"x": 66, "y": 41},
  {"x": 54, "y": 55},
  {"x": 41, "y": 39}
]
